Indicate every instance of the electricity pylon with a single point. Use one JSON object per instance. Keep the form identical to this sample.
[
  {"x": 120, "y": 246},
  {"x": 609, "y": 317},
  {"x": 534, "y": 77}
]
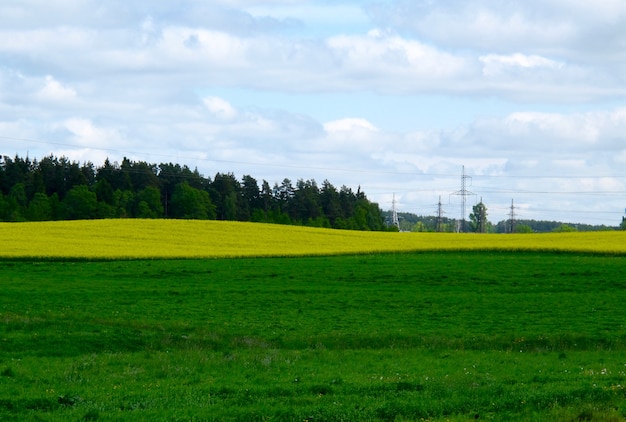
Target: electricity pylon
[
  {"x": 394, "y": 213},
  {"x": 512, "y": 218},
  {"x": 463, "y": 193},
  {"x": 440, "y": 213}
]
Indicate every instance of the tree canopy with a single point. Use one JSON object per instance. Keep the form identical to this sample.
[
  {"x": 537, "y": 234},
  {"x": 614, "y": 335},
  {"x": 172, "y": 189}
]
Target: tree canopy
[{"x": 56, "y": 188}]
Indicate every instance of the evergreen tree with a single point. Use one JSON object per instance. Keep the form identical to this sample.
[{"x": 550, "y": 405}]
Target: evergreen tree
[
  {"x": 329, "y": 199},
  {"x": 57, "y": 188}
]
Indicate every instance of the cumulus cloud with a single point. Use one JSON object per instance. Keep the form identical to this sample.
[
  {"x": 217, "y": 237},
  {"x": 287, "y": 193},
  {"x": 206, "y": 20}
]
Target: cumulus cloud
[
  {"x": 54, "y": 91},
  {"x": 85, "y": 133},
  {"x": 187, "y": 52},
  {"x": 571, "y": 132},
  {"x": 535, "y": 25},
  {"x": 380, "y": 57},
  {"x": 496, "y": 64},
  {"x": 220, "y": 108},
  {"x": 265, "y": 88},
  {"x": 349, "y": 125}
]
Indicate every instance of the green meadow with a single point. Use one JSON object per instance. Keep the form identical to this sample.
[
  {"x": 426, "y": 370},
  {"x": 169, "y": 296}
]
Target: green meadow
[{"x": 390, "y": 337}]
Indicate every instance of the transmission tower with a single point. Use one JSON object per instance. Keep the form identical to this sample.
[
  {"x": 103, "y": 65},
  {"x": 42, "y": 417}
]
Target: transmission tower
[
  {"x": 512, "y": 218},
  {"x": 463, "y": 193},
  {"x": 440, "y": 213},
  {"x": 394, "y": 213}
]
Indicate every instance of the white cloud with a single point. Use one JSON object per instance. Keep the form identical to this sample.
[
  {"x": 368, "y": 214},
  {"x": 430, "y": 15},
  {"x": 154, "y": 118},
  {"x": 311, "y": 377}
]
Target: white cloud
[
  {"x": 84, "y": 132},
  {"x": 220, "y": 108},
  {"x": 576, "y": 131},
  {"x": 53, "y": 90},
  {"x": 391, "y": 62},
  {"x": 567, "y": 28},
  {"x": 190, "y": 54},
  {"x": 496, "y": 64},
  {"x": 349, "y": 125},
  {"x": 353, "y": 137}
]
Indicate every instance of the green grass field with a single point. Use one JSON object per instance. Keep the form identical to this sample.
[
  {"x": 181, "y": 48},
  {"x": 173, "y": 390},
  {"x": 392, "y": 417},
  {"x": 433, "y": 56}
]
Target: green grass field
[{"x": 411, "y": 336}]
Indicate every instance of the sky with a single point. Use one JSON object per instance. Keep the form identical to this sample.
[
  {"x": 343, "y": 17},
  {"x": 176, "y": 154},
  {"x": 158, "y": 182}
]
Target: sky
[{"x": 397, "y": 97}]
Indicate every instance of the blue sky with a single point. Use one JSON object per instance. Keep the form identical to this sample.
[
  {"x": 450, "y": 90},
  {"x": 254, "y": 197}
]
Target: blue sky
[{"x": 394, "y": 96}]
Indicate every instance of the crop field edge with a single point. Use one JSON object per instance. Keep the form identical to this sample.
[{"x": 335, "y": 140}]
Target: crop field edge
[
  {"x": 194, "y": 239},
  {"x": 466, "y": 252}
]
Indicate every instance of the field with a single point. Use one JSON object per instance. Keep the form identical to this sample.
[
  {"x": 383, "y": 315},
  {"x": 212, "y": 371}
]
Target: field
[
  {"x": 134, "y": 238},
  {"x": 424, "y": 335}
]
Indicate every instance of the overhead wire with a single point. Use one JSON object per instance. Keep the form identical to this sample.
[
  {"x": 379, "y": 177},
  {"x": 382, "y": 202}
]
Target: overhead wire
[
  {"x": 386, "y": 190},
  {"x": 325, "y": 168}
]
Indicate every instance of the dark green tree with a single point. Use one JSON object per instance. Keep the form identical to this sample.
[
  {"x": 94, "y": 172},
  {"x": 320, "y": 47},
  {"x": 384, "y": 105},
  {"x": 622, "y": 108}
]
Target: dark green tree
[
  {"x": 141, "y": 174},
  {"x": 267, "y": 200},
  {"x": 251, "y": 197},
  {"x": 304, "y": 205},
  {"x": 478, "y": 218},
  {"x": 229, "y": 207},
  {"x": 347, "y": 202},
  {"x": 14, "y": 171},
  {"x": 39, "y": 208},
  {"x": 565, "y": 228},
  {"x": 73, "y": 174},
  {"x": 284, "y": 192},
  {"x": 124, "y": 203},
  {"x": 225, "y": 190},
  {"x": 104, "y": 191},
  {"x": 329, "y": 200},
  {"x": 16, "y": 203},
  {"x": 51, "y": 173},
  {"x": 113, "y": 174},
  {"x": 149, "y": 203},
  {"x": 191, "y": 203},
  {"x": 3, "y": 208},
  {"x": 79, "y": 204},
  {"x": 523, "y": 228}
]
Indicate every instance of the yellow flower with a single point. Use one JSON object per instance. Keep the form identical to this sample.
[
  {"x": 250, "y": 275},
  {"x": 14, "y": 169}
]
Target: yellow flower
[{"x": 136, "y": 238}]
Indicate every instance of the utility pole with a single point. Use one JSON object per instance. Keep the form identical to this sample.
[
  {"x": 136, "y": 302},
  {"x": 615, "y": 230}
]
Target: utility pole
[
  {"x": 463, "y": 193},
  {"x": 440, "y": 212},
  {"x": 512, "y": 218},
  {"x": 394, "y": 213}
]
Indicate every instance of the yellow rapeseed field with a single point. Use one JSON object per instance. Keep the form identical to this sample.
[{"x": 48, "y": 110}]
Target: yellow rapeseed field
[{"x": 135, "y": 238}]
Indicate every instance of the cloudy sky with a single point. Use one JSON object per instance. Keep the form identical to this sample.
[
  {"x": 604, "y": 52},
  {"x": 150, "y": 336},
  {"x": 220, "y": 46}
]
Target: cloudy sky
[{"x": 395, "y": 96}]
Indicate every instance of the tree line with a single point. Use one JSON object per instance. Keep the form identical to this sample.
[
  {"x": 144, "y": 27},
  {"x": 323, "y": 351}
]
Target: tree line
[
  {"x": 479, "y": 223},
  {"x": 55, "y": 188}
]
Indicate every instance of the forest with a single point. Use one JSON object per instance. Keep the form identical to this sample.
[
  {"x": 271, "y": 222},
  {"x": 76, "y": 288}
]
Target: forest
[{"x": 56, "y": 188}]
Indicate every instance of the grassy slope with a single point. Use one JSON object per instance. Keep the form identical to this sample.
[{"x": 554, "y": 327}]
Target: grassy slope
[
  {"x": 132, "y": 238},
  {"x": 504, "y": 336}
]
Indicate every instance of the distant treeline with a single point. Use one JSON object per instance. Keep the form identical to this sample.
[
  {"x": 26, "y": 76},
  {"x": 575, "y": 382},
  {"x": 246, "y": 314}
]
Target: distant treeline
[
  {"x": 426, "y": 223},
  {"x": 59, "y": 189}
]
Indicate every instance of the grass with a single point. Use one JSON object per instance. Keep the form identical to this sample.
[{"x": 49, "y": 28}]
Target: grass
[
  {"x": 136, "y": 239},
  {"x": 409, "y": 336}
]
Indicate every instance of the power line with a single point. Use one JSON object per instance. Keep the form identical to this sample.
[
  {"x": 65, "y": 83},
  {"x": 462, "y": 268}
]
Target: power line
[
  {"x": 212, "y": 160},
  {"x": 337, "y": 169}
]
